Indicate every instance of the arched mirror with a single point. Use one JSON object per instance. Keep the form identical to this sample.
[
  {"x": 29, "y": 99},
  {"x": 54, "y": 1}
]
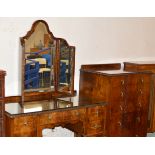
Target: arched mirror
[{"x": 48, "y": 63}]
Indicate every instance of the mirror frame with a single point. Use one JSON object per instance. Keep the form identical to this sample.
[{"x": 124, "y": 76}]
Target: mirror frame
[{"x": 32, "y": 96}]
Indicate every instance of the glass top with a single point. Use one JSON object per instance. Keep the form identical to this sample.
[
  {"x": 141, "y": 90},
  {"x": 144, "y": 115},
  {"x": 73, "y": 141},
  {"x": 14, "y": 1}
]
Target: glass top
[{"x": 45, "y": 105}]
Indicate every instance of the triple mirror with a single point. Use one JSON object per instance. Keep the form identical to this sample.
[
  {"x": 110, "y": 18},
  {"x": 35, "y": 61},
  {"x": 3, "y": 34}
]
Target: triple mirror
[{"x": 47, "y": 62}]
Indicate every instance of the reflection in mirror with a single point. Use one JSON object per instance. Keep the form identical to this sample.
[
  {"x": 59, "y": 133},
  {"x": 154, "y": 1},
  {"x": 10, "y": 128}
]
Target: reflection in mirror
[
  {"x": 64, "y": 104},
  {"x": 65, "y": 67},
  {"x": 39, "y": 65}
]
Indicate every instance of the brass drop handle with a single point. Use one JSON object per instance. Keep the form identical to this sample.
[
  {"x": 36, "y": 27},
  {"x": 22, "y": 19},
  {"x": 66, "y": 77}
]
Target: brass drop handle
[
  {"x": 49, "y": 117},
  {"x": 77, "y": 113},
  {"x": 97, "y": 113},
  {"x": 122, "y": 82},
  {"x": 140, "y": 104},
  {"x": 25, "y": 123},
  {"x": 122, "y": 94},
  {"x": 141, "y": 92},
  {"x": 142, "y": 80},
  {"x": 121, "y": 108},
  {"x": 119, "y": 123}
]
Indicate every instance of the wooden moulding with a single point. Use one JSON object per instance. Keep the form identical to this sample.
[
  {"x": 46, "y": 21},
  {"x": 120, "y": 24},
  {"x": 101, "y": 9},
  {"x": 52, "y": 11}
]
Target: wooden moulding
[
  {"x": 37, "y": 96},
  {"x": 112, "y": 66}
]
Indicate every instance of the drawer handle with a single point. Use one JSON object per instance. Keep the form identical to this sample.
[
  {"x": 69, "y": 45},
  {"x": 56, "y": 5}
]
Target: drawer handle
[
  {"x": 96, "y": 126},
  {"x": 122, "y": 82},
  {"x": 77, "y": 113},
  {"x": 141, "y": 92},
  {"x": 140, "y": 104},
  {"x": 119, "y": 123},
  {"x": 49, "y": 117},
  {"x": 121, "y": 108},
  {"x": 25, "y": 123},
  {"x": 122, "y": 94},
  {"x": 142, "y": 80},
  {"x": 97, "y": 113}
]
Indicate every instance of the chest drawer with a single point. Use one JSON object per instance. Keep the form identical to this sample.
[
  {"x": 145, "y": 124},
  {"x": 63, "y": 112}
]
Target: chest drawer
[
  {"x": 54, "y": 117},
  {"x": 74, "y": 115}
]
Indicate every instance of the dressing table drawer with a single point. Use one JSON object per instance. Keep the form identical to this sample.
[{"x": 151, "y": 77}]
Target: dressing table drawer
[
  {"x": 95, "y": 128},
  {"x": 54, "y": 117},
  {"x": 74, "y": 115},
  {"x": 24, "y": 126},
  {"x": 95, "y": 113}
]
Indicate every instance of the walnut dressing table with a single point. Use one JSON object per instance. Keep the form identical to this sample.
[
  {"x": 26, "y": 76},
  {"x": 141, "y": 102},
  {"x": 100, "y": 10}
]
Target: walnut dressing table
[{"x": 31, "y": 118}]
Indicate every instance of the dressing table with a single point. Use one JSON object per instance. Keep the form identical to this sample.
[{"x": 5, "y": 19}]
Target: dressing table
[{"x": 30, "y": 119}]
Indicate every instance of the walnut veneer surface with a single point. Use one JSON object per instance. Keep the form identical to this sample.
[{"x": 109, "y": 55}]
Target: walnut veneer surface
[
  {"x": 146, "y": 66},
  {"x": 127, "y": 95},
  {"x": 33, "y": 117}
]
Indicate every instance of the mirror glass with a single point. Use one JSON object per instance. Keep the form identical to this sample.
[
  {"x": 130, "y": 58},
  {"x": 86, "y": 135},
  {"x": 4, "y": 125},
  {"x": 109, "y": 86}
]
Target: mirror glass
[
  {"x": 65, "y": 67},
  {"x": 39, "y": 55}
]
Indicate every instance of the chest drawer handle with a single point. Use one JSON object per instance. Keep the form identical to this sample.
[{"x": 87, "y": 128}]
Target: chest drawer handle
[
  {"x": 140, "y": 104},
  {"x": 141, "y": 80},
  {"x": 122, "y": 94},
  {"x": 119, "y": 123},
  {"x": 121, "y": 108},
  {"x": 122, "y": 82},
  {"x": 141, "y": 92}
]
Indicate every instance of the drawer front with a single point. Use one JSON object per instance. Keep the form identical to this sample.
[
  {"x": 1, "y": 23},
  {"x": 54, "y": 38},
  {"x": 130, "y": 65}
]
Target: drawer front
[
  {"x": 141, "y": 124},
  {"x": 96, "y": 113},
  {"x": 95, "y": 127},
  {"x": 74, "y": 115},
  {"x": 115, "y": 125},
  {"x": 128, "y": 124},
  {"x": 118, "y": 81},
  {"x": 24, "y": 133},
  {"x": 24, "y": 126},
  {"x": 54, "y": 117}
]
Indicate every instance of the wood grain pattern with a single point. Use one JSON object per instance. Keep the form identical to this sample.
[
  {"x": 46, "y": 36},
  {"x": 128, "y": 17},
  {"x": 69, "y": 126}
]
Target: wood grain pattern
[
  {"x": 138, "y": 66},
  {"x": 127, "y": 95},
  {"x": 84, "y": 121}
]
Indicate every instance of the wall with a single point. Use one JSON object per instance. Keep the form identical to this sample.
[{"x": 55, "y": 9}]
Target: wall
[{"x": 97, "y": 40}]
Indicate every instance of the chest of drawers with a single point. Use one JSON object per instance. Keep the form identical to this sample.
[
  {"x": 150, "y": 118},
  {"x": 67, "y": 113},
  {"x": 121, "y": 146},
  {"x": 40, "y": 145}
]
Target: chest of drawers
[
  {"x": 127, "y": 95},
  {"x": 138, "y": 66}
]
